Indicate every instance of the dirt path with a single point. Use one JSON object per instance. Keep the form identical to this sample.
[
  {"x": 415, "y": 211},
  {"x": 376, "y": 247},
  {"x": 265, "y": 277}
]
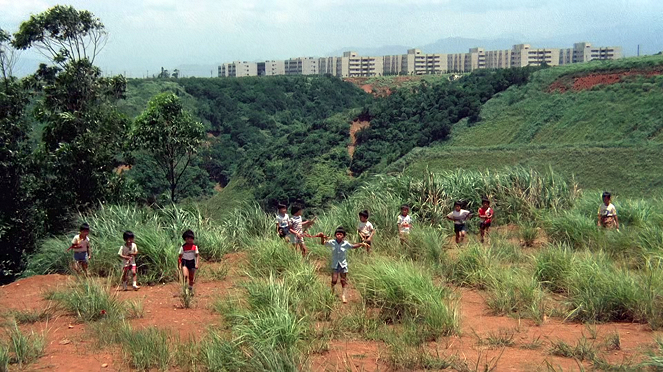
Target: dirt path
[{"x": 355, "y": 127}]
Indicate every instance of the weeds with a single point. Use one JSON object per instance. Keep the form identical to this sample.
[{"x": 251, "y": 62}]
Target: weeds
[
  {"x": 89, "y": 300},
  {"x": 24, "y": 349},
  {"x": 582, "y": 350},
  {"x": 498, "y": 339},
  {"x": 535, "y": 343},
  {"x": 613, "y": 341},
  {"x": 4, "y": 358},
  {"x": 33, "y": 316},
  {"x": 186, "y": 296},
  {"x": 147, "y": 348}
]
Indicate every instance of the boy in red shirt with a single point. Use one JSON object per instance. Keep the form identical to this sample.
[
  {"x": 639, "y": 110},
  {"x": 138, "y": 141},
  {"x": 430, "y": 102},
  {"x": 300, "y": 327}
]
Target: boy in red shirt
[
  {"x": 189, "y": 258},
  {"x": 486, "y": 216}
]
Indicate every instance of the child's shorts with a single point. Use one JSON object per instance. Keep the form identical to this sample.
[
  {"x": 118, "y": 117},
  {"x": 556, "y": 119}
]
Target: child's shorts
[
  {"x": 283, "y": 232},
  {"x": 131, "y": 268},
  {"x": 80, "y": 256},
  {"x": 459, "y": 227},
  {"x": 189, "y": 264},
  {"x": 484, "y": 225},
  {"x": 294, "y": 239},
  {"x": 340, "y": 269}
]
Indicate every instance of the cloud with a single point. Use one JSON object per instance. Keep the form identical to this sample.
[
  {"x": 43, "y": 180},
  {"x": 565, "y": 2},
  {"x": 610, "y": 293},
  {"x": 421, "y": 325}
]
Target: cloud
[{"x": 14, "y": 12}]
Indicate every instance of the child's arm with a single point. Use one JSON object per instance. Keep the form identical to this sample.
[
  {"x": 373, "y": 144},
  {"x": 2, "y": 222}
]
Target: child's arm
[
  {"x": 197, "y": 255},
  {"x": 359, "y": 245},
  {"x": 89, "y": 251},
  {"x": 616, "y": 221}
]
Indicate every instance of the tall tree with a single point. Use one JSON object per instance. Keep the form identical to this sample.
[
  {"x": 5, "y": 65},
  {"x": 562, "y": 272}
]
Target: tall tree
[
  {"x": 8, "y": 57},
  {"x": 63, "y": 34},
  {"x": 170, "y": 135}
]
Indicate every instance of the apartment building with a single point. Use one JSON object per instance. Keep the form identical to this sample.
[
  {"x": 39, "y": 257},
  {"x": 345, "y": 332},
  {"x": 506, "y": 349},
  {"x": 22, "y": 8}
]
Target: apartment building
[
  {"x": 415, "y": 62},
  {"x": 238, "y": 69}
]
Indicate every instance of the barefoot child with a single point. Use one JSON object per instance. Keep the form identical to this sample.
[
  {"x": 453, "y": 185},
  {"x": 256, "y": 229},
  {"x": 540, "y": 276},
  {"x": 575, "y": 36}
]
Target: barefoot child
[
  {"x": 459, "y": 216},
  {"x": 404, "y": 223},
  {"x": 486, "y": 215},
  {"x": 282, "y": 221},
  {"x": 81, "y": 247},
  {"x": 339, "y": 263},
  {"x": 298, "y": 228},
  {"x": 189, "y": 259},
  {"x": 608, "y": 213},
  {"x": 128, "y": 253},
  {"x": 365, "y": 230}
]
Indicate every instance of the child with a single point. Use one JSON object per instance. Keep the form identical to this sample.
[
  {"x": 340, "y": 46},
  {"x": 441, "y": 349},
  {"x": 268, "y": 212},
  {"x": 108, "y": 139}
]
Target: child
[
  {"x": 81, "y": 247},
  {"x": 282, "y": 221},
  {"x": 339, "y": 263},
  {"x": 365, "y": 230},
  {"x": 459, "y": 216},
  {"x": 404, "y": 223},
  {"x": 297, "y": 228},
  {"x": 128, "y": 252},
  {"x": 189, "y": 258},
  {"x": 486, "y": 216},
  {"x": 608, "y": 213}
]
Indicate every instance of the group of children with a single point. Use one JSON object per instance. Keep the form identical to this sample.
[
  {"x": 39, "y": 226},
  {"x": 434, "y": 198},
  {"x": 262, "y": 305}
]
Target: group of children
[{"x": 293, "y": 228}]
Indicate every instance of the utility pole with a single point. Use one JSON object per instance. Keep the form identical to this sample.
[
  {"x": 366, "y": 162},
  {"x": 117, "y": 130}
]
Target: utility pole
[{"x": 638, "y": 50}]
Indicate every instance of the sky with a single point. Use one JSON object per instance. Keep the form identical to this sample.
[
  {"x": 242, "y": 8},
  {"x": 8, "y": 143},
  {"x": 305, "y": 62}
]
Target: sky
[{"x": 196, "y": 35}]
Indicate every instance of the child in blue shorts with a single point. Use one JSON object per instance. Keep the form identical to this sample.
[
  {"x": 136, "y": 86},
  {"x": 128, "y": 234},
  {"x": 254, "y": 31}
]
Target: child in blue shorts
[
  {"x": 81, "y": 247},
  {"x": 339, "y": 263}
]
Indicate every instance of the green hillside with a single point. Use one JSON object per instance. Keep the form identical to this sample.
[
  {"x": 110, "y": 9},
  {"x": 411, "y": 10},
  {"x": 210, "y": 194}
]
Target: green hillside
[{"x": 608, "y": 136}]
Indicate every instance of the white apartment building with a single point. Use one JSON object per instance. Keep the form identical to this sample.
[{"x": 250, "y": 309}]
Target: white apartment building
[
  {"x": 524, "y": 55},
  {"x": 585, "y": 52},
  {"x": 238, "y": 69},
  {"x": 271, "y": 68},
  {"x": 302, "y": 66}
]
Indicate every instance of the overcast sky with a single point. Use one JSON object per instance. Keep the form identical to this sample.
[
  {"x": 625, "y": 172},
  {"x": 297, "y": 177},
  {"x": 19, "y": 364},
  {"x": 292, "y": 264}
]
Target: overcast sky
[{"x": 147, "y": 34}]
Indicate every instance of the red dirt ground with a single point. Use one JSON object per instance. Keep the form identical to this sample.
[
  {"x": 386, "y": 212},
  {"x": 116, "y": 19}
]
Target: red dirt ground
[
  {"x": 355, "y": 127},
  {"x": 70, "y": 348},
  {"x": 584, "y": 82}
]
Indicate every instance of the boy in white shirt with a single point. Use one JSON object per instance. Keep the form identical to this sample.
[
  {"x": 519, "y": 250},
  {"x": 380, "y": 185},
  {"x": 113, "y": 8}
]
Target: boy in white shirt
[
  {"x": 339, "y": 263},
  {"x": 128, "y": 253},
  {"x": 188, "y": 258},
  {"x": 608, "y": 213},
  {"x": 282, "y": 221},
  {"x": 81, "y": 247},
  {"x": 459, "y": 216},
  {"x": 298, "y": 228},
  {"x": 365, "y": 230},
  {"x": 404, "y": 223}
]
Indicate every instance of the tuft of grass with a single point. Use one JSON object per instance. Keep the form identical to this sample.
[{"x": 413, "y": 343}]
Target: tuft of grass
[
  {"x": 32, "y": 316},
  {"x": 214, "y": 273},
  {"x": 186, "y": 296},
  {"x": 474, "y": 267},
  {"x": 403, "y": 291},
  {"x": 406, "y": 357},
  {"x": 535, "y": 343},
  {"x": 504, "y": 337},
  {"x": 528, "y": 234},
  {"x": 553, "y": 266},
  {"x": 218, "y": 353},
  {"x": 613, "y": 341},
  {"x": 134, "y": 309},
  {"x": 147, "y": 348},
  {"x": 272, "y": 257},
  {"x": 4, "y": 358},
  {"x": 514, "y": 291},
  {"x": 89, "y": 300},
  {"x": 655, "y": 361},
  {"x": 582, "y": 350},
  {"x": 24, "y": 348}
]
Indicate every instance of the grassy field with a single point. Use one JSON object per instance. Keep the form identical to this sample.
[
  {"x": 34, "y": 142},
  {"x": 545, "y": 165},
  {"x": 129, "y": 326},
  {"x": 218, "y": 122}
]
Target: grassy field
[{"x": 627, "y": 170}]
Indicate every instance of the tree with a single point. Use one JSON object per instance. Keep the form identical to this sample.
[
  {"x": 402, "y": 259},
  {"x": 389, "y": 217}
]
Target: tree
[
  {"x": 170, "y": 135},
  {"x": 8, "y": 57},
  {"x": 62, "y": 34}
]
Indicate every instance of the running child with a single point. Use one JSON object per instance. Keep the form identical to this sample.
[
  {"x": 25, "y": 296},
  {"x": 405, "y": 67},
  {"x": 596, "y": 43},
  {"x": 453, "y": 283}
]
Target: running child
[
  {"x": 81, "y": 247},
  {"x": 189, "y": 258},
  {"x": 459, "y": 216},
  {"x": 365, "y": 230},
  {"x": 282, "y": 221},
  {"x": 298, "y": 228},
  {"x": 339, "y": 263},
  {"x": 607, "y": 213},
  {"x": 486, "y": 215},
  {"x": 404, "y": 223},
  {"x": 128, "y": 253}
]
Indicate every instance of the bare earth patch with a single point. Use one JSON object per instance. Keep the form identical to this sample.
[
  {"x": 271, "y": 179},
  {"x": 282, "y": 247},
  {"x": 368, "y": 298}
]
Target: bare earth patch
[{"x": 588, "y": 81}]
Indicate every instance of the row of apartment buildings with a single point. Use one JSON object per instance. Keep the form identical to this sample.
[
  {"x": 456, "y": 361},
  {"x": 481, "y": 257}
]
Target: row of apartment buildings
[{"x": 415, "y": 62}]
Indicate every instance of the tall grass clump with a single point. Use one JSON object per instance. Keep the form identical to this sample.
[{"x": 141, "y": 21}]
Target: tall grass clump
[
  {"x": 147, "y": 348},
  {"x": 89, "y": 300},
  {"x": 474, "y": 266},
  {"x": 404, "y": 291},
  {"x": 515, "y": 291},
  {"x": 552, "y": 267},
  {"x": 272, "y": 257},
  {"x": 23, "y": 348},
  {"x": 425, "y": 245},
  {"x": 4, "y": 358}
]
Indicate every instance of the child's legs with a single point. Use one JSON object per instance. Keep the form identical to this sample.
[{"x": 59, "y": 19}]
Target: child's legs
[
  {"x": 302, "y": 246},
  {"x": 192, "y": 276},
  {"x": 185, "y": 272},
  {"x": 334, "y": 278},
  {"x": 344, "y": 279},
  {"x": 124, "y": 274},
  {"x": 134, "y": 272}
]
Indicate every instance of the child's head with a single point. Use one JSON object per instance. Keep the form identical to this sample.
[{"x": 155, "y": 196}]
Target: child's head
[
  {"x": 85, "y": 229},
  {"x": 363, "y": 216},
  {"x": 457, "y": 205},
  {"x": 405, "y": 209},
  {"x": 485, "y": 202},
  {"x": 296, "y": 210},
  {"x": 188, "y": 236},
  {"x": 128, "y": 237},
  {"x": 606, "y": 197},
  {"x": 339, "y": 234},
  {"x": 282, "y": 208}
]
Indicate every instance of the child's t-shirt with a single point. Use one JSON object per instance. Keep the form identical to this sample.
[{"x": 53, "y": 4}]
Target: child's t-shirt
[
  {"x": 607, "y": 210},
  {"x": 296, "y": 224},
  {"x": 459, "y": 217},
  {"x": 84, "y": 244},
  {"x": 189, "y": 251},
  {"x": 283, "y": 221},
  {"x": 404, "y": 223},
  {"x": 339, "y": 253},
  {"x": 365, "y": 228},
  {"x": 483, "y": 214},
  {"x": 126, "y": 251}
]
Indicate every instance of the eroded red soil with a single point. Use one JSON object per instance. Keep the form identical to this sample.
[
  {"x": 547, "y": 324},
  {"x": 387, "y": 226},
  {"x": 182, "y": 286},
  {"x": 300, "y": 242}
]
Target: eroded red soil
[{"x": 588, "y": 81}]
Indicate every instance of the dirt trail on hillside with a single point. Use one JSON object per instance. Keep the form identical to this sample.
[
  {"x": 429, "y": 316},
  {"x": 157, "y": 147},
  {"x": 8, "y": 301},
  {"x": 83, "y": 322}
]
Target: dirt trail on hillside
[
  {"x": 71, "y": 348},
  {"x": 355, "y": 127},
  {"x": 589, "y": 80}
]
